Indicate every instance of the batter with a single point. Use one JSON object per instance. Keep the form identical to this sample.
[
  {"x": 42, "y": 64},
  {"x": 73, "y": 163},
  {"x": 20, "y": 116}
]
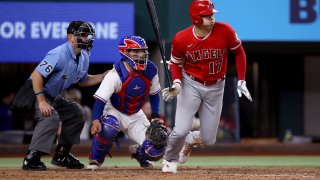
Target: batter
[{"x": 198, "y": 68}]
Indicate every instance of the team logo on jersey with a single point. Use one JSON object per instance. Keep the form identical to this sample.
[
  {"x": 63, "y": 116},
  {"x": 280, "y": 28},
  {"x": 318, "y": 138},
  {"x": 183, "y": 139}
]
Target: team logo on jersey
[
  {"x": 205, "y": 54},
  {"x": 189, "y": 45},
  {"x": 136, "y": 87}
]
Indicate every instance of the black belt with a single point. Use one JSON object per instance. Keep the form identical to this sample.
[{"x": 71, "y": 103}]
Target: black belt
[{"x": 206, "y": 83}]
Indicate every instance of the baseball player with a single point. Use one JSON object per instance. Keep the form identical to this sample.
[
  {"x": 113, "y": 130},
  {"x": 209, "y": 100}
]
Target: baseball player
[
  {"x": 62, "y": 67},
  {"x": 198, "y": 68},
  {"x": 118, "y": 106}
]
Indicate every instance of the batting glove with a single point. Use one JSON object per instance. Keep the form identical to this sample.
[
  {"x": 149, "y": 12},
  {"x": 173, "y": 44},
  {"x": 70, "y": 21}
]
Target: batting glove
[
  {"x": 168, "y": 94},
  {"x": 242, "y": 89}
]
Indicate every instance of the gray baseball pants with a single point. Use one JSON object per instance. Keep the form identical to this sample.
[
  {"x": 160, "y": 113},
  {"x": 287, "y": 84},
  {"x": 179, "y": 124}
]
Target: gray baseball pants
[
  {"x": 195, "y": 97},
  {"x": 71, "y": 116}
]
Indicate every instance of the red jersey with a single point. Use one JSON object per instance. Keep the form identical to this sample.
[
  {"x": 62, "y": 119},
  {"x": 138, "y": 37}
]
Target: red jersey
[{"x": 205, "y": 58}]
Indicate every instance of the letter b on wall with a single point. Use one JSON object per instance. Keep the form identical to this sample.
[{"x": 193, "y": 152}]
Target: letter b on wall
[{"x": 302, "y": 11}]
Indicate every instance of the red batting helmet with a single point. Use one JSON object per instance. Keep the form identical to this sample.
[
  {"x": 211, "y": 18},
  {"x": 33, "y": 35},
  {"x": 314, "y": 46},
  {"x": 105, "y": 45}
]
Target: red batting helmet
[{"x": 200, "y": 8}]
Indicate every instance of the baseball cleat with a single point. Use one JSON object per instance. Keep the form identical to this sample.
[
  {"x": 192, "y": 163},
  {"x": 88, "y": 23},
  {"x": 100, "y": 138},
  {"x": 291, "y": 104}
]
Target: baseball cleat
[
  {"x": 169, "y": 167},
  {"x": 185, "y": 153},
  {"x": 32, "y": 161},
  {"x": 66, "y": 160},
  {"x": 93, "y": 165},
  {"x": 147, "y": 165}
]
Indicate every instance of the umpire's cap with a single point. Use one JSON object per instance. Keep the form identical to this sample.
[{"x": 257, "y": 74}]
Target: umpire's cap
[{"x": 74, "y": 26}]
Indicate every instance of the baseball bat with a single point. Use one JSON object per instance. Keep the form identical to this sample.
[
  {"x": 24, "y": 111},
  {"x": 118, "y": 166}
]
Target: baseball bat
[{"x": 156, "y": 29}]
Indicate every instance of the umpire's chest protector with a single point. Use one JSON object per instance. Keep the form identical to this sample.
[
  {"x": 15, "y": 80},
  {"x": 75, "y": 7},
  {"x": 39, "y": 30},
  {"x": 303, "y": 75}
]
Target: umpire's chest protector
[{"x": 134, "y": 89}]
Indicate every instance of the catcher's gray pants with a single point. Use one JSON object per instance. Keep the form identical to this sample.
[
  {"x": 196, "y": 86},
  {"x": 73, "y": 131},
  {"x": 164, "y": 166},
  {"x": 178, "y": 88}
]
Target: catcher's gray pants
[{"x": 69, "y": 113}]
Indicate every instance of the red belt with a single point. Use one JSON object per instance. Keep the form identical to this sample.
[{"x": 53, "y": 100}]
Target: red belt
[{"x": 206, "y": 83}]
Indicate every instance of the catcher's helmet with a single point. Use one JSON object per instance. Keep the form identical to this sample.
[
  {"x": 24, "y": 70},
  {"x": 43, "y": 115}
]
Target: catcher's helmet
[
  {"x": 127, "y": 47},
  {"x": 82, "y": 29},
  {"x": 200, "y": 8}
]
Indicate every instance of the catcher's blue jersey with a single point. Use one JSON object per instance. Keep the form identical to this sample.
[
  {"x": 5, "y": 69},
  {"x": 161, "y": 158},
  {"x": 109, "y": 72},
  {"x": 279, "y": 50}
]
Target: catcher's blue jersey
[{"x": 134, "y": 89}]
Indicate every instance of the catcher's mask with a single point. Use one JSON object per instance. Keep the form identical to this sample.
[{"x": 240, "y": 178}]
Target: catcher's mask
[
  {"x": 84, "y": 33},
  {"x": 134, "y": 50},
  {"x": 199, "y": 8}
]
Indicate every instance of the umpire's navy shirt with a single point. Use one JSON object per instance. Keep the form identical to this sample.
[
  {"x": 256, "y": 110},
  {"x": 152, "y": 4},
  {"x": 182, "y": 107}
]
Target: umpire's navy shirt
[{"x": 61, "y": 69}]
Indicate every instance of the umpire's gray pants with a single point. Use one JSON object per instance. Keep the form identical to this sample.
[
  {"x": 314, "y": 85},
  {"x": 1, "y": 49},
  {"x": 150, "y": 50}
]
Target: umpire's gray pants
[{"x": 69, "y": 113}]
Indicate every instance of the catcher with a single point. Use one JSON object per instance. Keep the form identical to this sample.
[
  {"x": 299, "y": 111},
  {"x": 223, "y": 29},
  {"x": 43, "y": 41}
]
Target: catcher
[{"x": 118, "y": 107}]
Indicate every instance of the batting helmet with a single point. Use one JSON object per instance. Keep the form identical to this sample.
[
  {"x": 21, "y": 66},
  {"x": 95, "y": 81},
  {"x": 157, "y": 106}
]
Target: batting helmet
[
  {"x": 200, "y": 8},
  {"x": 127, "y": 46}
]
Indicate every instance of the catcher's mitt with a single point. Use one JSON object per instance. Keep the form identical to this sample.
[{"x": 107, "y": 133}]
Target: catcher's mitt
[{"x": 157, "y": 134}]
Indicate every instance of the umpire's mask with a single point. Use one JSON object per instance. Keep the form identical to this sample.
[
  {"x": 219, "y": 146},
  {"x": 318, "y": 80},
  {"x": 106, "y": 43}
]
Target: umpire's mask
[{"x": 85, "y": 36}]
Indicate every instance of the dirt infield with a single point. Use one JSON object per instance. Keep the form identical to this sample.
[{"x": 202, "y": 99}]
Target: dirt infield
[{"x": 184, "y": 173}]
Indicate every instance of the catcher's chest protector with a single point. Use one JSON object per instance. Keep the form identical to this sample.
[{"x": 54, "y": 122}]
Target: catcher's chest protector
[{"x": 134, "y": 89}]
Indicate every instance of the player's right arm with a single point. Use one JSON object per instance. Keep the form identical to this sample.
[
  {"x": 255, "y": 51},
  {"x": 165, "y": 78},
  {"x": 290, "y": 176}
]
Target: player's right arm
[
  {"x": 96, "y": 115},
  {"x": 110, "y": 84},
  {"x": 37, "y": 83},
  {"x": 43, "y": 70},
  {"x": 176, "y": 62}
]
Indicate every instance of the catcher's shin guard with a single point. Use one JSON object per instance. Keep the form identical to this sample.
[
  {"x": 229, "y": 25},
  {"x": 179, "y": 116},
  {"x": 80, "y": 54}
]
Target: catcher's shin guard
[
  {"x": 99, "y": 149},
  {"x": 138, "y": 153},
  {"x": 153, "y": 152},
  {"x": 103, "y": 141}
]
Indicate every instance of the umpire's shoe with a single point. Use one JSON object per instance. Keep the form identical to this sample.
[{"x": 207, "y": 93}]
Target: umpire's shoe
[
  {"x": 32, "y": 161},
  {"x": 66, "y": 160}
]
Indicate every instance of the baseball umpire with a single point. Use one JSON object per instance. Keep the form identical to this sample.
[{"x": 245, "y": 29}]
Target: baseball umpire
[
  {"x": 63, "y": 66},
  {"x": 198, "y": 68}
]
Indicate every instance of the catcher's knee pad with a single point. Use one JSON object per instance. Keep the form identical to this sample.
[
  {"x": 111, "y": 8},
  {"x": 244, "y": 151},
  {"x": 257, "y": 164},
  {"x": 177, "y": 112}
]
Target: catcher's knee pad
[
  {"x": 109, "y": 128},
  {"x": 103, "y": 141}
]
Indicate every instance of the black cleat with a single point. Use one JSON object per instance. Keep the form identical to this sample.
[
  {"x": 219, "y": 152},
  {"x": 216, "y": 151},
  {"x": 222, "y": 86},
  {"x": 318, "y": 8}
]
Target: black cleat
[
  {"x": 68, "y": 160},
  {"x": 32, "y": 161}
]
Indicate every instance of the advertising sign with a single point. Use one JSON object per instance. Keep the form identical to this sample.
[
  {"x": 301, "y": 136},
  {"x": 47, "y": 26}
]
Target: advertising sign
[
  {"x": 272, "y": 20},
  {"x": 28, "y": 30}
]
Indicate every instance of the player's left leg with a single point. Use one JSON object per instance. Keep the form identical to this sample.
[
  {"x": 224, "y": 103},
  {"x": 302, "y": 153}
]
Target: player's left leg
[
  {"x": 209, "y": 115},
  {"x": 72, "y": 117},
  {"x": 192, "y": 140},
  {"x": 210, "y": 112}
]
